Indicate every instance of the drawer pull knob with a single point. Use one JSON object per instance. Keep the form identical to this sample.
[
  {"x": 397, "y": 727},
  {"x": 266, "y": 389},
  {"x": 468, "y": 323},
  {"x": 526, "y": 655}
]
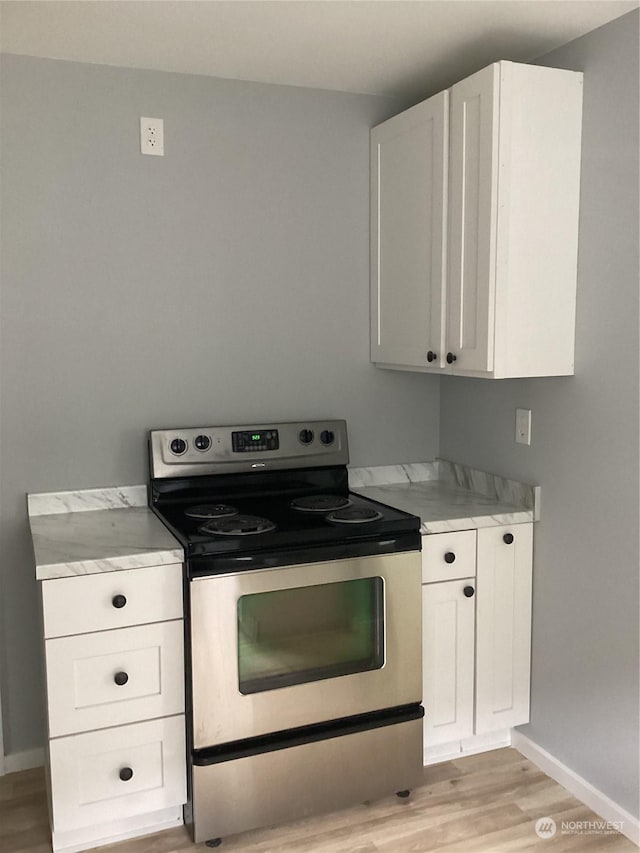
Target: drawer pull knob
[
  {"x": 468, "y": 591},
  {"x": 118, "y": 601},
  {"x": 507, "y": 538},
  {"x": 449, "y": 557},
  {"x": 451, "y": 358},
  {"x": 120, "y": 678},
  {"x": 125, "y": 774},
  {"x": 431, "y": 356}
]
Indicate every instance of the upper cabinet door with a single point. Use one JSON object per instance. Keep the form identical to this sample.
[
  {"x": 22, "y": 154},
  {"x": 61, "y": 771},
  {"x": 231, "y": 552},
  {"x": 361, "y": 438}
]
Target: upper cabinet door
[
  {"x": 408, "y": 234},
  {"x": 473, "y": 189}
]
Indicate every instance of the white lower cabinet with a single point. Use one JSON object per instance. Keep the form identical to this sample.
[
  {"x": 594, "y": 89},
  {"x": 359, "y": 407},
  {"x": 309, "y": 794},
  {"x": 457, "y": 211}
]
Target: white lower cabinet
[
  {"x": 476, "y": 637},
  {"x": 449, "y": 627},
  {"x": 449, "y": 556},
  {"x": 87, "y": 603},
  {"x": 104, "y": 776},
  {"x": 503, "y": 616},
  {"x": 115, "y": 705},
  {"x": 114, "y": 677}
]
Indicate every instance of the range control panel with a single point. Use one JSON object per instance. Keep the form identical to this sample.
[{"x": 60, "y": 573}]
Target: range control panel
[
  {"x": 248, "y": 441},
  {"x": 229, "y": 449}
]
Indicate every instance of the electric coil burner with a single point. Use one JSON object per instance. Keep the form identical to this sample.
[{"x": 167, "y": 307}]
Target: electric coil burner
[
  {"x": 303, "y": 615},
  {"x": 354, "y": 515},
  {"x": 238, "y": 525},
  {"x": 320, "y": 503},
  {"x": 210, "y": 511}
]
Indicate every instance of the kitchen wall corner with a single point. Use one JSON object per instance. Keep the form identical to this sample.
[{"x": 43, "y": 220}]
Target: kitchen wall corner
[{"x": 584, "y": 450}]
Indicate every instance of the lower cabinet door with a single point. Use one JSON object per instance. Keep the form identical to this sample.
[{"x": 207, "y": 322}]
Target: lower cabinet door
[
  {"x": 503, "y": 614},
  {"x": 104, "y": 776},
  {"x": 448, "y": 613}
]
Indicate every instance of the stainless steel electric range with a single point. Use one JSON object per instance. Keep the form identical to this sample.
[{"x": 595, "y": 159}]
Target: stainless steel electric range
[{"x": 303, "y": 624}]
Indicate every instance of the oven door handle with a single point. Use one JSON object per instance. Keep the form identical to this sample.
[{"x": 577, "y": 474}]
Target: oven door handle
[{"x": 199, "y": 566}]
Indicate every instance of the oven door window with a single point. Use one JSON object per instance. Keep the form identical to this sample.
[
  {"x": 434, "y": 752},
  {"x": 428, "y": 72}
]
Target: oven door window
[{"x": 294, "y": 636}]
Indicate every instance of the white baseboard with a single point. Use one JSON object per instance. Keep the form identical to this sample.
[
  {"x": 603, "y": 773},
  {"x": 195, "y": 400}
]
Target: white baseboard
[
  {"x": 24, "y": 760},
  {"x": 602, "y": 805}
]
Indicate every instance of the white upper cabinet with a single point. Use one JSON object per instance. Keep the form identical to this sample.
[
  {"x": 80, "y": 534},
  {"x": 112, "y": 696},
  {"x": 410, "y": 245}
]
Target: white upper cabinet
[
  {"x": 474, "y": 227},
  {"x": 472, "y": 216},
  {"x": 409, "y": 153}
]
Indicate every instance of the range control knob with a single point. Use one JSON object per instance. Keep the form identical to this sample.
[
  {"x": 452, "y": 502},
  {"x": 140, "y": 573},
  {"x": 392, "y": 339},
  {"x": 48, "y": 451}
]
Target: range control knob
[
  {"x": 178, "y": 446},
  {"x": 202, "y": 442},
  {"x": 305, "y": 436},
  {"x": 327, "y": 437}
]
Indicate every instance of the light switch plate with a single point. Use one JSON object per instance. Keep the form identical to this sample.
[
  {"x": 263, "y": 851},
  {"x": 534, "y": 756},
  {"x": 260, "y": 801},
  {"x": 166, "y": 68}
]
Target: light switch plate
[{"x": 523, "y": 426}]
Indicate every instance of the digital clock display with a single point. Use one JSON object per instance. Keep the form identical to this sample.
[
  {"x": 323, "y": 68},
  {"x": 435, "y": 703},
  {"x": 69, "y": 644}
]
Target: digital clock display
[{"x": 252, "y": 442}]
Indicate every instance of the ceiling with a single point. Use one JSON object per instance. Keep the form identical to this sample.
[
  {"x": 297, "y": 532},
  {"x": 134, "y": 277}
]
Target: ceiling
[{"x": 382, "y": 47}]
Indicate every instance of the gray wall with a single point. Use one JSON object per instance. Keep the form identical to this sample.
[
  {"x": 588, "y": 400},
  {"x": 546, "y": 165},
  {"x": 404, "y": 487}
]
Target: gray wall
[
  {"x": 226, "y": 282},
  {"x": 584, "y": 451}
]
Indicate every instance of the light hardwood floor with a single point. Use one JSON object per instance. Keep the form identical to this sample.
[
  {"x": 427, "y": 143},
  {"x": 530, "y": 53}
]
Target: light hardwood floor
[{"x": 486, "y": 803}]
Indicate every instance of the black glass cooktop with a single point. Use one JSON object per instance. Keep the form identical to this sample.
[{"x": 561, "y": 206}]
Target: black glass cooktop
[
  {"x": 292, "y": 527},
  {"x": 283, "y": 532}
]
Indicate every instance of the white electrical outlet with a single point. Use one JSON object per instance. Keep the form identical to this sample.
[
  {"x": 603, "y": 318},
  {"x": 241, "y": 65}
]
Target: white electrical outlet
[
  {"x": 152, "y": 136},
  {"x": 523, "y": 426}
]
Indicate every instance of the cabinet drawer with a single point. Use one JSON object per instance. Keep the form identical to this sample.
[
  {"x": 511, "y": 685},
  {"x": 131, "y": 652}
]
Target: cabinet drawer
[
  {"x": 111, "y": 600},
  {"x": 448, "y": 556},
  {"x": 83, "y": 674},
  {"x": 86, "y": 786}
]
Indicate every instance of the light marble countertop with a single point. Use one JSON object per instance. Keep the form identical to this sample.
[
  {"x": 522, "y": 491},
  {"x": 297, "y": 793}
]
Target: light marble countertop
[
  {"x": 442, "y": 508},
  {"x": 104, "y": 540},
  {"x": 111, "y": 529},
  {"x": 86, "y": 500},
  {"x": 447, "y": 496}
]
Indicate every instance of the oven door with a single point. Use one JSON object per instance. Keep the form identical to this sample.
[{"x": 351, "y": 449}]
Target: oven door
[{"x": 277, "y": 649}]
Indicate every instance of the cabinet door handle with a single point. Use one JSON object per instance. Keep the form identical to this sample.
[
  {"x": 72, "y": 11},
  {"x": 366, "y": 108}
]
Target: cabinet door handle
[
  {"x": 125, "y": 774},
  {"x": 118, "y": 601},
  {"x": 451, "y": 358},
  {"x": 468, "y": 591},
  {"x": 431, "y": 356},
  {"x": 120, "y": 678},
  {"x": 507, "y": 538},
  {"x": 449, "y": 557}
]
